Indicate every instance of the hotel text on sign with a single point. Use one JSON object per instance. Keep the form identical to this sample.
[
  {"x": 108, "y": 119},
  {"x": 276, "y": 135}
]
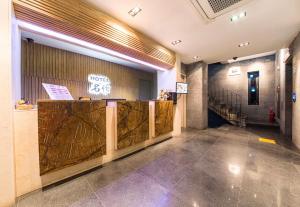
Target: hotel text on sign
[{"x": 99, "y": 85}]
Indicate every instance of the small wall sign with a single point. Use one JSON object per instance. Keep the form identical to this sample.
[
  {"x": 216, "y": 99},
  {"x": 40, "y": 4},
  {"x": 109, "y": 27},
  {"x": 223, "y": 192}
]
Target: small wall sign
[
  {"x": 294, "y": 97},
  {"x": 233, "y": 71},
  {"x": 99, "y": 85}
]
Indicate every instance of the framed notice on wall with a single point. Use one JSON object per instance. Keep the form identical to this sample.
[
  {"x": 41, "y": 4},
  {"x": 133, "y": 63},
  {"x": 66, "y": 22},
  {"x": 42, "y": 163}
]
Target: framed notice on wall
[
  {"x": 234, "y": 71},
  {"x": 57, "y": 92},
  {"x": 181, "y": 88}
]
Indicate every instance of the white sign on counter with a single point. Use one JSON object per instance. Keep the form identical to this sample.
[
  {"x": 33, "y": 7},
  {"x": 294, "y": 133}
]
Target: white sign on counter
[{"x": 57, "y": 92}]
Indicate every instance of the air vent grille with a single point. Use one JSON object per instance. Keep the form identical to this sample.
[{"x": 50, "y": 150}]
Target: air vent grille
[{"x": 219, "y": 5}]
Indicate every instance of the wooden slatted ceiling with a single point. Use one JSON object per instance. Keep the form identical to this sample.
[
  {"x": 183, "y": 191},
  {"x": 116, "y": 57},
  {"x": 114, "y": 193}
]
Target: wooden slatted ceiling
[{"x": 80, "y": 20}]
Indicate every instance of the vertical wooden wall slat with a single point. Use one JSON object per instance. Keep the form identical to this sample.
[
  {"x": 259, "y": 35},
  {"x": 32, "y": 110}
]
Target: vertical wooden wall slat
[{"x": 43, "y": 64}]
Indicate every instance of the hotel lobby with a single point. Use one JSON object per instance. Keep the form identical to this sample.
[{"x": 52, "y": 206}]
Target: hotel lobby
[{"x": 175, "y": 103}]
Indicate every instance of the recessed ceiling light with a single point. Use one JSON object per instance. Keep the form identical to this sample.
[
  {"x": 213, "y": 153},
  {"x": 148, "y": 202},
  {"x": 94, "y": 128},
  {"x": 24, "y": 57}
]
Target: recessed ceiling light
[
  {"x": 196, "y": 57},
  {"x": 245, "y": 44},
  {"x": 237, "y": 17},
  {"x": 133, "y": 12},
  {"x": 176, "y": 42}
]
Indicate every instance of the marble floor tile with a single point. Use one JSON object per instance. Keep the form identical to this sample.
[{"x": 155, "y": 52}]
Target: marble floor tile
[
  {"x": 134, "y": 190},
  {"x": 159, "y": 170},
  {"x": 74, "y": 193},
  {"x": 226, "y": 166}
]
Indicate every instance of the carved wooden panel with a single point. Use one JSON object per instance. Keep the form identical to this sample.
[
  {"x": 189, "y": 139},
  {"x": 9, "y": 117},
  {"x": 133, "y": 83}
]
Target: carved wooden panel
[
  {"x": 70, "y": 132},
  {"x": 80, "y": 20},
  {"x": 163, "y": 117},
  {"x": 132, "y": 123}
]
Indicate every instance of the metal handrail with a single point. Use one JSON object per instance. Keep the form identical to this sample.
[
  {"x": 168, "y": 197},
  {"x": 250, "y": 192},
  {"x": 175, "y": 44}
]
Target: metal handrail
[{"x": 226, "y": 103}]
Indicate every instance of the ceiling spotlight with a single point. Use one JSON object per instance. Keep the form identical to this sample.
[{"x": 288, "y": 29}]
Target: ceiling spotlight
[
  {"x": 245, "y": 44},
  {"x": 176, "y": 42},
  {"x": 242, "y": 15},
  {"x": 133, "y": 12},
  {"x": 237, "y": 17},
  {"x": 196, "y": 57}
]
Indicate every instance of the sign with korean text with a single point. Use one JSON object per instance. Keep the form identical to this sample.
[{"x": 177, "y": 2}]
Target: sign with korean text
[{"x": 99, "y": 85}]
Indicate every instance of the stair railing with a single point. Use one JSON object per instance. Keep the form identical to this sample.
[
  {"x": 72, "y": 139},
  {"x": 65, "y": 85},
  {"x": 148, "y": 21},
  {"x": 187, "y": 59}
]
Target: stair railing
[{"x": 226, "y": 103}]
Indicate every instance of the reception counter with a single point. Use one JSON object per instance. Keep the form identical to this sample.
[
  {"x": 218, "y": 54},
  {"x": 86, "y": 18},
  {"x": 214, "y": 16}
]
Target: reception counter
[
  {"x": 70, "y": 132},
  {"x": 132, "y": 123},
  {"x": 65, "y": 138}
]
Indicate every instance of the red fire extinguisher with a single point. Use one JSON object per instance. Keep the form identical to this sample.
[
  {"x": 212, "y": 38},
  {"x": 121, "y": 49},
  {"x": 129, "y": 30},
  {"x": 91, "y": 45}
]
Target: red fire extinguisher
[{"x": 271, "y": 116}]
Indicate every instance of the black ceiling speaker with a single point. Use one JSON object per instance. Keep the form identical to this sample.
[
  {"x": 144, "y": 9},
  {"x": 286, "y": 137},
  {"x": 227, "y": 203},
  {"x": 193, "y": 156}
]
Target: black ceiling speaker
[{"x": 30, "y": 40}]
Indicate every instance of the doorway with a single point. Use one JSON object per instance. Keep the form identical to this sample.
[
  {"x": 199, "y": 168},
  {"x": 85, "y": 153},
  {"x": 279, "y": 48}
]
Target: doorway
[
  {"x": 288, "y": 98},
  {"x": 145, "y": 89}
]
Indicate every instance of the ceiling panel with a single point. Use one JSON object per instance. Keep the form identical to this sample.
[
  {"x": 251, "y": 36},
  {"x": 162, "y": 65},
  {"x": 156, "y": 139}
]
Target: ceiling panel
[{"x": 269, "y": 25}]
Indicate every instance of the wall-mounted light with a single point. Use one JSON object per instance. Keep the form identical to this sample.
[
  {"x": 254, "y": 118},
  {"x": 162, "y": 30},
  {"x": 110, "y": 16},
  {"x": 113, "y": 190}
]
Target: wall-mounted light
[
  {"x": 237, "y": 17},
  {"x": 134, "y": 11},
  {"x": 244, "y": 44},
  {"x": 176, "y": 42},
  {"x": 234, "y": 169}
]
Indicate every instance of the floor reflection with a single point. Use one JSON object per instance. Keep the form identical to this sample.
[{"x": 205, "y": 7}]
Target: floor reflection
[{"x": 228, "y": 166}]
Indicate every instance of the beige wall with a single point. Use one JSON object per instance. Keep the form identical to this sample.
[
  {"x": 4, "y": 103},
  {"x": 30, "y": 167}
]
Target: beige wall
[
  {"x": 296, "y": 89},
  {"x": 179, "y": 107},
  {"x": 219, "y": 79},
  {"x": 7, "y": 171},
  {"x": 43, "y": 64}
]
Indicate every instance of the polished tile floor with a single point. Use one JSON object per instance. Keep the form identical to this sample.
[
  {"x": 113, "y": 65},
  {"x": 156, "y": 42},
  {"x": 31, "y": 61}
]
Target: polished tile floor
[{"x": 227, "y": 166}]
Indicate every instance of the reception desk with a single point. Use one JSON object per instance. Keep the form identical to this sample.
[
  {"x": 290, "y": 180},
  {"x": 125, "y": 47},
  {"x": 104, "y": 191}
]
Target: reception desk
[
  {"x": 132, "y": 123},
  {"x": 70, "y": 132},
  {"x": 65, "y": 138}
]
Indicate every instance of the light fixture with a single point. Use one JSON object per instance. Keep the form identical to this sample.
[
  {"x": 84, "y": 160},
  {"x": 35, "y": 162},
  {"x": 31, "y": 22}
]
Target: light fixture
[
  {"x": 195, "y": 204},
  {"x": 237, "y": 17},
  {"x": 133, "y": 12},
  {"x": 176, "y": 42},
  {"x": 196, "y": 57},
  {"x": 234, "y": 169},
  {"x": 245, "y": 44}
]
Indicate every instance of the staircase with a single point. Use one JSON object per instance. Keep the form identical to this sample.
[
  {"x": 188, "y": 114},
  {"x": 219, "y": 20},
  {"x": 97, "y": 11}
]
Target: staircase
[{"x": 228, "y": 105}]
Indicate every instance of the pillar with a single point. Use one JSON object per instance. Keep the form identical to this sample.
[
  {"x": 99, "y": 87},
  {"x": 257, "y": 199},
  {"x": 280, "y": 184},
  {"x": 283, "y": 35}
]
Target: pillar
[
  {"x": 7, "y": 171},
  {"x": 197, "y": 98}
]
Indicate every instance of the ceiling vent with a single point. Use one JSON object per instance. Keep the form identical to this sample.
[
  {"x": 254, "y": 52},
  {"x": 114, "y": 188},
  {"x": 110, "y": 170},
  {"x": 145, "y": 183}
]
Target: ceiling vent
[{"x": 211, "y": 9}]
